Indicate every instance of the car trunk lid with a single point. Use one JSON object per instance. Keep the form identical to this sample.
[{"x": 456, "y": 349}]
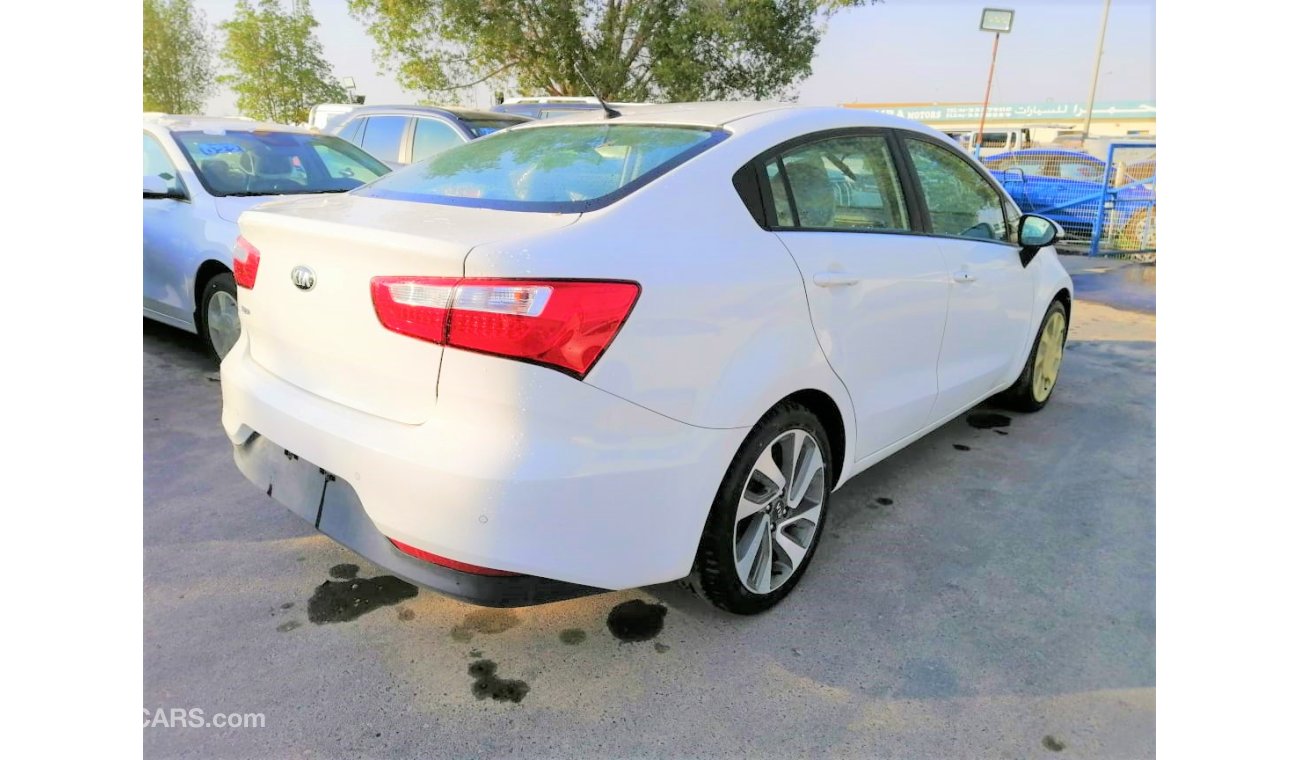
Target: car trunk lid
[{"x": 326, "y": 338}]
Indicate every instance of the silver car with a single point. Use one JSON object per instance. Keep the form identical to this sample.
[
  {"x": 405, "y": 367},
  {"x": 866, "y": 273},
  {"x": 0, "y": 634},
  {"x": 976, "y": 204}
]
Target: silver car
[{"x": 200, "y": 174}]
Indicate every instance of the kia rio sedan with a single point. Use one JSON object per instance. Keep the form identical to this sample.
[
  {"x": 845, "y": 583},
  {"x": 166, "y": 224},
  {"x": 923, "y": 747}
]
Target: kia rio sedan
[
  {"x": 200, "y": 174},
  {"x": 600, "y": 353}
]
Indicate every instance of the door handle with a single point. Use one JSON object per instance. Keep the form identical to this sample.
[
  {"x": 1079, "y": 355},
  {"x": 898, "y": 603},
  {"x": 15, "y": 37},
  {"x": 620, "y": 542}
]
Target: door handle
[
  {"x": 963, "y": 277},
  {"x": 835, "y": 279}
]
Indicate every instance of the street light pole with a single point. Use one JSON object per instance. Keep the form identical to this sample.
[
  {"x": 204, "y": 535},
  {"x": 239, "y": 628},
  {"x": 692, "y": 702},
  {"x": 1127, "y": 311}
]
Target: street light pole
[
  {"x": 984, "y": 112},
  {"x": 1096, "y": 69},
  {"x": 996, "y": 20}
]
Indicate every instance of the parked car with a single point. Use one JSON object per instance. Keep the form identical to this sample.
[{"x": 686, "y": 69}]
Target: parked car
[
  {"x": 549, "y": 107},
  {"x": 320, "y": 115},
  {"x": 594, "y": 353},
  {"x": 546, "y": 107},
  {"x": 200, "y": 174},
  {"x": 401, "y": 135},
  {"x": 1065, "y": 185}
]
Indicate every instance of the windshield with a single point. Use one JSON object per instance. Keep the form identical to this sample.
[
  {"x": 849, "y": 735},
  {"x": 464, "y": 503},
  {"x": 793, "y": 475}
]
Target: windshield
[
  {"x": 276, "y": 163},
  {"x": 569, "y": 168},
  {"x": 485, "y": 127}
]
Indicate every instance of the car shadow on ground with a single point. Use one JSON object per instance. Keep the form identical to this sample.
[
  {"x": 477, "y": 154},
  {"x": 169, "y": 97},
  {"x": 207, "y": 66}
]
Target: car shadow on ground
[{"x": 181, "y": 347}]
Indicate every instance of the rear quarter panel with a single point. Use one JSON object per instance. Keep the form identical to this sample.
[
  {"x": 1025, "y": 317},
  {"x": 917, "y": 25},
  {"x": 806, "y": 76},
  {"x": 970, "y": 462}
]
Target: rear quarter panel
[{"x": 721, "y": 331}]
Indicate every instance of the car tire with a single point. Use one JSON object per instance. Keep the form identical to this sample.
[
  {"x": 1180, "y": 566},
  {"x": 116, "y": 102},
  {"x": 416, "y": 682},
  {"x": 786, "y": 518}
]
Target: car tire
[
  {"x": 1033, "y": 389},
  {"x": 218, "y": 315},
  {"x": 790, "y": 443}
]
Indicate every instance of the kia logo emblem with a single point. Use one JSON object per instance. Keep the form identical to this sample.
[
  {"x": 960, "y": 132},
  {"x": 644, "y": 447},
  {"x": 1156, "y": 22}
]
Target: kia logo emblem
[{"x": 303, "y": 278}]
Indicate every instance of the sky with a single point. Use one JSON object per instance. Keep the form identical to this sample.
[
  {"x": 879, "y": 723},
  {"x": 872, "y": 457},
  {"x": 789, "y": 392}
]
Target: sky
[{"x": 901, "y": 51}]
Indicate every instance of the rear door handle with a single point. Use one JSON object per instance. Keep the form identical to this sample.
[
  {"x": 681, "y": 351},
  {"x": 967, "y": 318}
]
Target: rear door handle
[
  {"x": 835, "y": 279},
  {"x": 963, "y": 276}
]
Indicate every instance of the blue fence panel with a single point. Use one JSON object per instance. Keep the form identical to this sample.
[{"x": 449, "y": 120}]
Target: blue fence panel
[{"x": 1106, "y": 207}]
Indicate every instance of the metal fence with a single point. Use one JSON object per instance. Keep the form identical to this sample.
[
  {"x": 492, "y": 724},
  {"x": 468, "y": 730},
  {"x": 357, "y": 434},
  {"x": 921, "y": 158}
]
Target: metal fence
[
  {"x": 1126, "y": 218},
  {"x": 1107, "y": 208}
]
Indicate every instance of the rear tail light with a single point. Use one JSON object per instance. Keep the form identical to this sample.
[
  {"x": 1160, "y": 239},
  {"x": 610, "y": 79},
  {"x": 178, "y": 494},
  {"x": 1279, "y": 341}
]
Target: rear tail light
[
  {"x": 564, "y": 324},
  {"x": 246, "y": 259},
  {"x": 464, "y": 567}
]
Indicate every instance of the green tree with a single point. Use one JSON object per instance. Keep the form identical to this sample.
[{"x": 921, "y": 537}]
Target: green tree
[
  {"x": 178, "y": 72},
  {"x": 627, "y": 49},
  {"x": 275, "y": 62}
]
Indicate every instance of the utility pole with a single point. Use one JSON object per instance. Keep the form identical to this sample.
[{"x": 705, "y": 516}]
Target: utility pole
[{"x": 1096, "y": 69}]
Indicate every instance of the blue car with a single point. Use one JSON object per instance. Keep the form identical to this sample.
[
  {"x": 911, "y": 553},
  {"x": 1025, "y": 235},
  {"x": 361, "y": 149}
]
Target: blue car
[{"x": 1065, "y": 186}]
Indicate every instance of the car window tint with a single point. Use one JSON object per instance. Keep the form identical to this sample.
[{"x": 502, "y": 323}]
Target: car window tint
[
  {"x": 960, "y": 200},
  {"x": 157, "y": 164},
  {"x": 343, "y": 166},
  {"x": 845, "y": 183},
  {"x": 780, "y": 199},
  {"x": 352, "y": 132},
  {"x": 383, "y": 136},
  {"x": 433, "y": 136},
  {"x": 563, "y": 168},
  {"x": 263, "y": 162}
]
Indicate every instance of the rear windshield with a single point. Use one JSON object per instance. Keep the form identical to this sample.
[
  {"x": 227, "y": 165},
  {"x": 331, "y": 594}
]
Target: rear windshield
[
  {"x": 236, "y": 162},
  {"x": 568, "y": 168}
]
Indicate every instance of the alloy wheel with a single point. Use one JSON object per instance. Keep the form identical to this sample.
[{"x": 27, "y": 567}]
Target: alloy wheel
[
  {"x": 223, "y": 322},
  {"x": 1047, "y": 362},
  {"x": 779, "y": 511}
]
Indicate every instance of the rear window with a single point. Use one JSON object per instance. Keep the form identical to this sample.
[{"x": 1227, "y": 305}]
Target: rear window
[{"x": 569, "y": 168}]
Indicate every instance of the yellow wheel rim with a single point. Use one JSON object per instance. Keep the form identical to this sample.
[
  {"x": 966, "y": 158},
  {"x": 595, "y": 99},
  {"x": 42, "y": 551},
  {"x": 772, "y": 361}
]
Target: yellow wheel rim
[{"x": 1047, "y": 360}]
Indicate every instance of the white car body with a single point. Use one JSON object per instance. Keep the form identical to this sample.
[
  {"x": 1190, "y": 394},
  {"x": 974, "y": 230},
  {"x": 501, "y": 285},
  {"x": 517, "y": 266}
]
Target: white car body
[
  {"x": 189, "y": 237},
  {"x": 604, "y": 481},
  {"x": 188, "y": 240}
]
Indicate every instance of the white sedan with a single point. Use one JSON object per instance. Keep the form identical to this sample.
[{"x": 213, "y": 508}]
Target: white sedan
[
  {"x": 603, "y": 352},
  {"x": 200, "y": 174}
]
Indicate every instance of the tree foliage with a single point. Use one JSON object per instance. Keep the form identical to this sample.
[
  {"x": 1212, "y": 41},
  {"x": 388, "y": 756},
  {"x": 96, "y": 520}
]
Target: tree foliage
[
  {"x": 178, "y": 72},
  {"x": 276, "y": 66},
  {"x": 628, "y": 49}
]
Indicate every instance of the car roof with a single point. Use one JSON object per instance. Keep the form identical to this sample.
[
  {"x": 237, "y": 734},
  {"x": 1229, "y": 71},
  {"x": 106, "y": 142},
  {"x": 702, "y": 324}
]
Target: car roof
[
  {"x": 186, "y": 123},
  {"x": 453, "y": 111},
  {"x": 733, "y": 114}
]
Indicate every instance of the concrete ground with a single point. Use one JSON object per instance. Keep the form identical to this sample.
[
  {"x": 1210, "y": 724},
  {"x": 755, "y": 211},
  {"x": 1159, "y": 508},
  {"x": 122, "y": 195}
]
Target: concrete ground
[
  {"x": 996, "y": 602},
  {"x": 1115, "y": 282}
]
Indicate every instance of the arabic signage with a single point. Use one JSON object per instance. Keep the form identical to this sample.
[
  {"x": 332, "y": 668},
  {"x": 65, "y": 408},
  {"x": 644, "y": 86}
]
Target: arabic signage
[{"x": 942, "y": 112}]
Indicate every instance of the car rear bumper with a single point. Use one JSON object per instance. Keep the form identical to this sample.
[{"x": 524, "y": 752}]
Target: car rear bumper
[
  {"x": 520, "y": 469},
  {"x": 332, "y": 505}
]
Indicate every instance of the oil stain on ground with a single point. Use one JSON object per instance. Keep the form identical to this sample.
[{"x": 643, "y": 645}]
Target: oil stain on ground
[
  {"x": 573, "y": 636},
  {"x": 348, "y": 599},
  {"x": 987, "y": 420},
  {"x": 345, "y": 571},
  {"x": 484, "y": 621},
  {"x": 488, "y": 684},
  {"x": 634, "y": 620},
  {"x": 1052, "y": 743},
  {"x": 961, "y": 447}
]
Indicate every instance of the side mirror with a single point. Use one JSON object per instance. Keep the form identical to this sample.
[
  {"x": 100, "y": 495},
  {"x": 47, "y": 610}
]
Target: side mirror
[
  {"x": 157, "y": 187},
  {"x": 1035, "y": 233},
  {"x": 1038, "y": 231}
]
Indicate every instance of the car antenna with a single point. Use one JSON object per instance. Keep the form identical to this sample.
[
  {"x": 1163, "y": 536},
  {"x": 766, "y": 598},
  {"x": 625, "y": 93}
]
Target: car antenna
[{"x": 609, "y": 112}]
